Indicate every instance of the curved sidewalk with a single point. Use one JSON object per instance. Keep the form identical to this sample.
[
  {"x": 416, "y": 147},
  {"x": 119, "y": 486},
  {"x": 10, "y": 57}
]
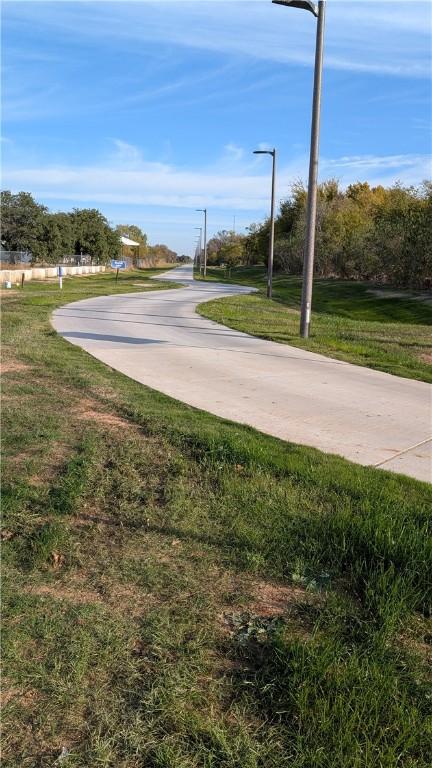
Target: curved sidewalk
[{"x": 157, "y": 338}]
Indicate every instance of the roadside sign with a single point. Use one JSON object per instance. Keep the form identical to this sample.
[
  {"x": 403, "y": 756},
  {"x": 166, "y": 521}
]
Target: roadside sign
[{"x": 118, "y": 264}]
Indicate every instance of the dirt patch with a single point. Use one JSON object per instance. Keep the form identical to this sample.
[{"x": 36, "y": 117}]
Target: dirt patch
[
  {"x": 128, "y": 600},
  {"x": 105, "y": 393},
  {"x": 88, "y": 411},
  {"x": 268, "y": 603},
  {"x": 10, "y": 692},
  {"x": 59, "y": 591},
  {"x": 274, "y": 599},
  {"x": 426, "y": 357},
  {"x": 13, "y": 366},
  {"x": 102, "y": 417},
  {"x": 87, "y": 519},
  {"x": 125, "y": 599},
  {"x": 417, "y": 639}
]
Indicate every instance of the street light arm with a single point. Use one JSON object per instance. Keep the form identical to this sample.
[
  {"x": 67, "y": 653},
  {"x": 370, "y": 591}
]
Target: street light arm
[
  {"x": 306, "y": 5},
  {"x": 264, "y": 152}
]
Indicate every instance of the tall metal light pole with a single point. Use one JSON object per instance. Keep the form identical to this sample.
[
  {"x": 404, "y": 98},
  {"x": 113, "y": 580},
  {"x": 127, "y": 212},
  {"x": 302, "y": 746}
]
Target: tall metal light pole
[
  {"x": 308, "y": 263},
  {"x": 204, "y": 211},
  {"x": 271, "y": 152},
  {"x": 198, "y": 255},
  {"x": 200, "y": 246}
]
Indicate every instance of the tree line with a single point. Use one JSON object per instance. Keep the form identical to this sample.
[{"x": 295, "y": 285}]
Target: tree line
[
  {"x": 28, "y": 226},
  {"x": 363, "y": 233},
  {"x": 144, "y": 252}
]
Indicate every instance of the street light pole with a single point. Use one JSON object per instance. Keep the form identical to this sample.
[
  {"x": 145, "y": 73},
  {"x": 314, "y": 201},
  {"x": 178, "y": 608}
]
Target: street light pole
[
  {"x": 204, "y": 211},
  {"x": 200, "y": 246},
  {"x": 309, "y": 253},
  {"x": 271, "y": 152},
  {"x": 197, "y": 255}
]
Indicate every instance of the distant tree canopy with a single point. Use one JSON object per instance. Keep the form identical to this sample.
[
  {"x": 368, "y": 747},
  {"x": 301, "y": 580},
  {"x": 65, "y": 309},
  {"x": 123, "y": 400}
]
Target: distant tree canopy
[
  {"x": 160, "y": 252},
  {"x": 226, "y": 248},
  {"x": 363, "y": 232},
  {"x": 28, "y": 226}
]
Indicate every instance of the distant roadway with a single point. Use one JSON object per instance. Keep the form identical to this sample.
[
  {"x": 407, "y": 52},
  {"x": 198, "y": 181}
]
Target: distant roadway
[{"x": 157, "y": 338}]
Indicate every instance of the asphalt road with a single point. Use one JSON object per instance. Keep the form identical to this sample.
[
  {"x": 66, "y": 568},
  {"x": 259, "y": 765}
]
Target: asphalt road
[{"x": 369, "y": 417}]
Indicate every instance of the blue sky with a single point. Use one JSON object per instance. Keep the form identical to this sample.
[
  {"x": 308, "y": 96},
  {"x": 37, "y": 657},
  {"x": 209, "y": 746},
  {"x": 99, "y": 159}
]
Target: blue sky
[{"x": 148, "y": 110}]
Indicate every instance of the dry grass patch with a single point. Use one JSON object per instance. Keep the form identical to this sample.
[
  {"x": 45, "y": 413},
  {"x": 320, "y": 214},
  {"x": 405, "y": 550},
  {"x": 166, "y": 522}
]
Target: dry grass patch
[
  {"x": 122, "y": 599},
  {"x": 13, "y": 366},
  {"x": 73, "y": 593},
  {"x": 275, "y": 599},
  {"x": 426, "y": 357},
  {"x": 105, "y": 418},
  {"x": 9, "y": 693}
]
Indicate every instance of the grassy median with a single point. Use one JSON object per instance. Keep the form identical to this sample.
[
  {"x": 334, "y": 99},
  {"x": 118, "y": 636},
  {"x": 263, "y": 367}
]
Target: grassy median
[
  {"x": 375, "y": 326},
  {"x": 184, "y": 592}
]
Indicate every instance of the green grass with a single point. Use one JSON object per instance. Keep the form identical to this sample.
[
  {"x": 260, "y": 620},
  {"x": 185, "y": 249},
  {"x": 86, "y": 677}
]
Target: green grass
[
  {"x": 351, "y": 321},
  {"x": 184, "y": 592}
]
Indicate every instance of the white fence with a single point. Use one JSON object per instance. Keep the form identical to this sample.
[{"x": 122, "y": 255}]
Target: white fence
[{"x": 45, "y": 273}]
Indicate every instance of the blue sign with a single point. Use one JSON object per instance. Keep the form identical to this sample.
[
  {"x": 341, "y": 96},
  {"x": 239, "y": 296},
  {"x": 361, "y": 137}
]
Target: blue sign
[{"x": 118, "y": 264}]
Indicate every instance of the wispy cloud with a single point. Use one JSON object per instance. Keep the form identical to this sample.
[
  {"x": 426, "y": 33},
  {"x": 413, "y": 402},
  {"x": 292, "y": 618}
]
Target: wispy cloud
[
  {"x": 128, "y": 179},
  {"x": 126, "y": 154},
  {"x": 385, "y": 38}
]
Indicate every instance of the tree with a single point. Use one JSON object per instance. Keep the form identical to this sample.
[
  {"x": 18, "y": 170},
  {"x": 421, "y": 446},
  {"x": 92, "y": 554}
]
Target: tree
[
  {"x": 48, "y": 247},
  {"x": 219, "y": 246},
  {"x": 65, "y": 225},
  {"x": 231, "y": 254},
  {"x": 255, "y": 243},
  {"x": 367, "y": 233},
  {"x": 94, "y": 236},
  {"x": 21, "y": 221},
  {"x": 161, "y": 252}
]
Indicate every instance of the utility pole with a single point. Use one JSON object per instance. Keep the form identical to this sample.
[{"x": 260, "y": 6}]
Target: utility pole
[
  {"x": 200, "y": 248},
  {"x": 308, "y": 264},
  {"x": 204, "y": 211},
  {"x": 271, "y": 152}
]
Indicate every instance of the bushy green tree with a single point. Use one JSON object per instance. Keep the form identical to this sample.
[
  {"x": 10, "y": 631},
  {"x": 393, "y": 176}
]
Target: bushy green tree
[
  {"x": 231, "y": 253},
  {"x": 225, "y": 246},
  {"x": 363, "y": 232},
  {"x": 94, "y": 236},
  {"x": 48, "y": 247},
  {"x": 21, "y": 221}
]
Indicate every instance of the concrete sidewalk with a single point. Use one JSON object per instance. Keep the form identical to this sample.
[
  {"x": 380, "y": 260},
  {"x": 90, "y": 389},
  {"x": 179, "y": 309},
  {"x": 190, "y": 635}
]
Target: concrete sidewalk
[{"x": 157, "y": 338}]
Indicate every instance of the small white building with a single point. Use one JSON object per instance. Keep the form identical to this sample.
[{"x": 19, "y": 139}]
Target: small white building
[{"x": 126, "y": 241}]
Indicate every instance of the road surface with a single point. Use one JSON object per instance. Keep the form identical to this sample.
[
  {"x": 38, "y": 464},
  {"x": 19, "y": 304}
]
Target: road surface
[{"x": 157, "y": 338}]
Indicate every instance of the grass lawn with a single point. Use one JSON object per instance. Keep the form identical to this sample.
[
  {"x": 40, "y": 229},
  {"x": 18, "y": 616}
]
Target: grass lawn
[
  {"x": 361, "y": 323},
  {"x": 183, "y": 592}
]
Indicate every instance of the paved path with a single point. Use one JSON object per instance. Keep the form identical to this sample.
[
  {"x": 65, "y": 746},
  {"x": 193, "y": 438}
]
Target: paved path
[{"x": 157, "y": 338}]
